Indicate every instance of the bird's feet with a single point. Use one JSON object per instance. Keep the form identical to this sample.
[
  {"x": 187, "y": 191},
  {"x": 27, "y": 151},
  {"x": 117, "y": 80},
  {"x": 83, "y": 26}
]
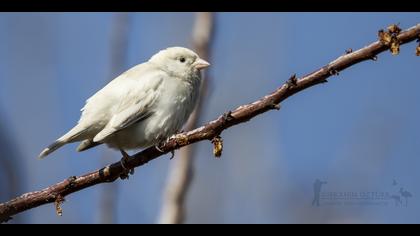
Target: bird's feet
[
  {"x": 161, "y": 144},
  {"x": 125, "y": 174},
  {"x": 157, "y": 146}
]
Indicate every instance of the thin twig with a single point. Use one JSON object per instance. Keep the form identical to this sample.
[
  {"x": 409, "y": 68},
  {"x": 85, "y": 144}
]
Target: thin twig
[{"x": 207, "y": 132}]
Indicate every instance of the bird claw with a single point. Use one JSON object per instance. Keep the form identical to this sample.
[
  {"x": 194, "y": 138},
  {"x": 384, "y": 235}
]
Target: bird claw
[
  {"x": 158, "y": 148},
  {"x": 126, "y": 171},
  {"x": 172, "y": 155}
]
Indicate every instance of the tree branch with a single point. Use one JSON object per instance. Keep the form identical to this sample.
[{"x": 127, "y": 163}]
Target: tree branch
[{"x": 58, "y": 191}]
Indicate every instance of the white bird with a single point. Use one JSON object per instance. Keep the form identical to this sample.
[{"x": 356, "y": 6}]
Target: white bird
[{"x": 141, "y": 107}]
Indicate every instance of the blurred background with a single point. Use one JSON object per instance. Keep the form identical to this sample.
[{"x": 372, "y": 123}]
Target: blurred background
[{"x": 359, "y": 133}]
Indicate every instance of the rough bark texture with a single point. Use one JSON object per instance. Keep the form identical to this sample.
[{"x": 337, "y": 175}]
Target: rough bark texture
[{"x": 58, "y": 191}]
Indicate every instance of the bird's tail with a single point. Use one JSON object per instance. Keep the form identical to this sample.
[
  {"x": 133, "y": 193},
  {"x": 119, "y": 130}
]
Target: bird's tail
[
  {"x": 51, "y": 148},
  {"x": 87, "y": 144},
  {"x": 73, "y": 135}
]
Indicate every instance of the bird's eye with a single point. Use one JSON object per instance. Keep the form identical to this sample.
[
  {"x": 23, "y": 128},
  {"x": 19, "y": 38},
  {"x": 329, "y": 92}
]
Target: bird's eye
[{"x": 182, "y": 59}]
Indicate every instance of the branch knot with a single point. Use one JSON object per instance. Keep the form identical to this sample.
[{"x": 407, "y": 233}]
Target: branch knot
[
  {"x": 292, "y": 81},
  {"x": 217, "y": 142},
  {"x": 390, "y": 39},
  {"x": 58, "y": 202}
]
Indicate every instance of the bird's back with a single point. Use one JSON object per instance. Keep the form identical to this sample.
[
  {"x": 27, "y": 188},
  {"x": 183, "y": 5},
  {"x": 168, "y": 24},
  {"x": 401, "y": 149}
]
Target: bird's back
[{"x": 115, "y": 96}]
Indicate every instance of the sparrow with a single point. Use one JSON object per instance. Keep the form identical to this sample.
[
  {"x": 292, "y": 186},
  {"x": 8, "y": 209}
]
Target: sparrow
[{"x": 142, "y": 107}]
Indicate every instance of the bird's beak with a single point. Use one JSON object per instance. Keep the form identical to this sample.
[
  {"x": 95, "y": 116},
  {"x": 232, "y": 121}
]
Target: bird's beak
[{"x": 201, "y": 64}]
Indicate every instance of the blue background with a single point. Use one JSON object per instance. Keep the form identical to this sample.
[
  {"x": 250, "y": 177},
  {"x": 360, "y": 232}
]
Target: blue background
[{"x": 359, "y": 132}]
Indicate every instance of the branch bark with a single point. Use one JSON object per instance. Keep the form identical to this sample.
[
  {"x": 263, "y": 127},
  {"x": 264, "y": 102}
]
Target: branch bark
[
  {"x": 58, "y": 191},
  {"x": 9, "y": 164},
  {"x": 181, "y": 171}
]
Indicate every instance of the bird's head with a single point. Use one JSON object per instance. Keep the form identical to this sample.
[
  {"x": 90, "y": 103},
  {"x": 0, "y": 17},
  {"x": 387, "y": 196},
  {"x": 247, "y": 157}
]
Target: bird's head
[{"x": 179, "y": 61}]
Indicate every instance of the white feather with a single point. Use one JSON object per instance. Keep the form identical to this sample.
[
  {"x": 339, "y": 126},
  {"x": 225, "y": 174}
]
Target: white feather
[{"x": 143, "y": 106}]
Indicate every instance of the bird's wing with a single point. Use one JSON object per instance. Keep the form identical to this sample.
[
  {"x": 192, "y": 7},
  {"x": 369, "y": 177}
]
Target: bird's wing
[{"x": 135, "y": 105}]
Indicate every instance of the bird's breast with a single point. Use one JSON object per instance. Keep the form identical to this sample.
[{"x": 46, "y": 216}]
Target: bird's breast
[{"x": 176, "y": 102}]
